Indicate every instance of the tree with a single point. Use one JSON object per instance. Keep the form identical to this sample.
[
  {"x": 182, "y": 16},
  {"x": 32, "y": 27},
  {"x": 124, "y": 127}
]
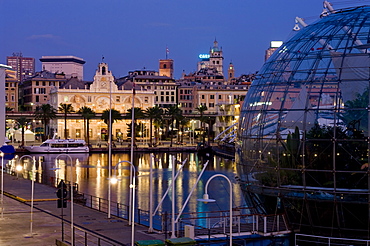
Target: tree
[
  {"x": 115, "y": 116},
  {"x": 183, "y": 122},
  {"x": 87, "y": 113},
  {"x": 173, "y": 112},
  {"x": 66, "y": 109},
  {"x": 22, "y": 123},
  {"x": 153, "y": 113},
  {"x": 201, "y": 109},
  {"x": 138, "y": 114},
  {"x": 8, "y": 109},
  {"x": 45, "y": 113}
]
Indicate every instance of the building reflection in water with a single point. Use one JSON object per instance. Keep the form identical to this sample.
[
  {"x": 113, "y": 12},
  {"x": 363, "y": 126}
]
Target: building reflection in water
[{"x": 91, "y": 174}]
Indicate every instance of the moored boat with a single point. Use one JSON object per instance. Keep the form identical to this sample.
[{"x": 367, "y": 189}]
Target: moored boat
[{"x": 60, "y": 146}]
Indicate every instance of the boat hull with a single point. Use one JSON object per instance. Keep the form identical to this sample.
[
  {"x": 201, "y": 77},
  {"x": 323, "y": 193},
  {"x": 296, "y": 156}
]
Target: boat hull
[{"x": 38, "y": 149}]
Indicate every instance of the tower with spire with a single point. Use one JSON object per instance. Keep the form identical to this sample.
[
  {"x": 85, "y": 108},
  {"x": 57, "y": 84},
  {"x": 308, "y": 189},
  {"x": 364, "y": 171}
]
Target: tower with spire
[{"x": 216, "y": 57}]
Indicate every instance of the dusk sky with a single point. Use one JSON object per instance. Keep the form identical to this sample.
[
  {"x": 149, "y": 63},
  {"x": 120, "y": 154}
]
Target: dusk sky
[{"x": 133, "y": 34}]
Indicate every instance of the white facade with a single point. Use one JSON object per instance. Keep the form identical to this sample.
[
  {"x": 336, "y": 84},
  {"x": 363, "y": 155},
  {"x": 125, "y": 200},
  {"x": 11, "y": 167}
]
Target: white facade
[
  {"x": 71, "y": 66},
  {"x": 102, "y": 94}
]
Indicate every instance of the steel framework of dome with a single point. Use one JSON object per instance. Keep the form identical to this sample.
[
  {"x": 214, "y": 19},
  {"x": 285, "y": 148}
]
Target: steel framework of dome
[{"x": 303, "y": 137}]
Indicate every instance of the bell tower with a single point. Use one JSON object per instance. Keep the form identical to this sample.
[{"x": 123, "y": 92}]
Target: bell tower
[
  {"x": 230, "y": 72},
  {"x": 102, "y": 78},
  {"x": 166, "y": 68},
  {"x": 216, "y": 58}
]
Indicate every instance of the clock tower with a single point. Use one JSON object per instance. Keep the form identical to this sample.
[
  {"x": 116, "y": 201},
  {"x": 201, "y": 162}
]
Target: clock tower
[{"x": 102, "y": 78}]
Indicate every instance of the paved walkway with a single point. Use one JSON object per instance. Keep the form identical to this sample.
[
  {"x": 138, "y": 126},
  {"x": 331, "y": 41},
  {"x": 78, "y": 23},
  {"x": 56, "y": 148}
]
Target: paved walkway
[{"x": 15, "y": 218}]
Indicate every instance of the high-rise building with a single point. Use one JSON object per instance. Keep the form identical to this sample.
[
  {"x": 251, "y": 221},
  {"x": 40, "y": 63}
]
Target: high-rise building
[
  {"x": 71, "y": 66},
  {"x": 274, "y": 45},
  {"x": 24, "y": 66}
]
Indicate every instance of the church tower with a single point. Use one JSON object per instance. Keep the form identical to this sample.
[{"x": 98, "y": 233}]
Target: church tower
[
  {"x": 230, "y": 72},
  {"x": 166, "y": 68},
  {"x": 216, "y": 58}
]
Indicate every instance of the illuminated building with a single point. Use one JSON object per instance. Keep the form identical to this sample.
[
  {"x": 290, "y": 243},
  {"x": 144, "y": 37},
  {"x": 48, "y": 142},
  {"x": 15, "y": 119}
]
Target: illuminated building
[
  {"x": 303, "y": 138},
  {"x": 24, "y": 66},
  {"x": 274, "y": 45}
]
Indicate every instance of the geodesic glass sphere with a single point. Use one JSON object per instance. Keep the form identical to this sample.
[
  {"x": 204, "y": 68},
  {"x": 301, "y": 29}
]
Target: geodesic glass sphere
[{"x": 303, "y": 133}]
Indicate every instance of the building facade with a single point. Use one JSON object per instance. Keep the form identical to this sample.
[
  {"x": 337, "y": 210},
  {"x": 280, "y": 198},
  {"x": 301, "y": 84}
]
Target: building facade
[
  {"x": 23, "y": 66},
  {"x": 70, "y": 66},
  {"x": 99, "y": 95}
]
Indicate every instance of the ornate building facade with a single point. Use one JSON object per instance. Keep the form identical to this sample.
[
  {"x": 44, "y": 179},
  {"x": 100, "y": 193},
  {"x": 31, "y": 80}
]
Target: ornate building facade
[{"x": 99, "y": 95}]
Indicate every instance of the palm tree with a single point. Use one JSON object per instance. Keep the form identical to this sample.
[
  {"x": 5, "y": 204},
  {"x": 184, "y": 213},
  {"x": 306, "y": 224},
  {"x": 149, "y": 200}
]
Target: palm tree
[
  {"x": 22, "y": 123},
  {"x": 66, "y": 109},
  {"x": 8, "y": 109},
  {"x": 152, "y": 114},
  {"x": 201, "y": 109},
  {"x": 173, "y": 112},
  {"x": 45, "y": 113},
  {"x": 183, "y": 122},
  {"x": 138, "y": 114},
  {"x": 87, "y": 113},
  {"x": 115, "y": 116}
]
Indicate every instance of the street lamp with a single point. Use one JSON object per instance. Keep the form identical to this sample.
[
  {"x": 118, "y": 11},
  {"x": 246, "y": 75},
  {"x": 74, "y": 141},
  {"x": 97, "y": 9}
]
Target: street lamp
[
  {"x": 32, "y": 185},
  {"x": 207, "y": 199},
  {"x": 132, "y": 185},
  {"x": 71, "y": 193}
]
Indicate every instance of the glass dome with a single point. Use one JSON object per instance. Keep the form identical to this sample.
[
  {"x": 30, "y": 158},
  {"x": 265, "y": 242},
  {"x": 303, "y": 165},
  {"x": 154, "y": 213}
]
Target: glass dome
[{"x": 303, "y": 144}]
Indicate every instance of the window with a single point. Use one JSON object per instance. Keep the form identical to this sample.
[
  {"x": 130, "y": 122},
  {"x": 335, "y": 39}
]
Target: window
[
  {"x": 202, "y": 96},
  {"x": 146, "y": 99},
  {"x": 211, "y": 105},
  {"x": 167, "y": 98},
  {"x": 89, "y": 98},
  {"x": 212, "y": 96},
  {"x": 172, "y": 98},
  {"x": 219, "y": 96},
  {"x": 37, "y": 99},
  {"x": 117, "y": 98}
]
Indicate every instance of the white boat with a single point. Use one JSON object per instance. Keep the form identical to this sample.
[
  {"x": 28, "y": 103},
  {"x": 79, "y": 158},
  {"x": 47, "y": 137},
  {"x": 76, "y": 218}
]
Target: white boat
[{"x": 60, "y": 146}]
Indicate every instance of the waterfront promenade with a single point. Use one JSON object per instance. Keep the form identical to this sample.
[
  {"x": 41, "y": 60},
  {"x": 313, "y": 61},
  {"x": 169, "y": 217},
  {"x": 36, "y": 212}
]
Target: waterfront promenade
[{"x": 15, "y": 222}]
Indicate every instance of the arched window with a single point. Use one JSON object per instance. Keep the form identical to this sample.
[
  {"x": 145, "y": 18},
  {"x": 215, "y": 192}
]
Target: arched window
[
  {"x": 164, "y": 65},
  {"x": 103, "y": 70}
]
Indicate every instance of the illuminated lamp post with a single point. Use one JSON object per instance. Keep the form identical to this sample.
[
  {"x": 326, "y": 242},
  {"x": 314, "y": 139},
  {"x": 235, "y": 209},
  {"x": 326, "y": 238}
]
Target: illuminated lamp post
[
  {"x": 32, "y": 186},
  {"x": 114, "y": 180},
  {"x": 71, "y": 194},
  {"x": 207, "y": 199}
]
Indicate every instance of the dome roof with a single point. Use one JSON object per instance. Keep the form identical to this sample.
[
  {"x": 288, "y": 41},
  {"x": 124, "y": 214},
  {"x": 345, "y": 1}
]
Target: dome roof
[{"x": 303, "y": 131}]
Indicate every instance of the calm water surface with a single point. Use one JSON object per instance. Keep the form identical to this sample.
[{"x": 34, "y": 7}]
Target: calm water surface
[{"x": 90, "y": 172}]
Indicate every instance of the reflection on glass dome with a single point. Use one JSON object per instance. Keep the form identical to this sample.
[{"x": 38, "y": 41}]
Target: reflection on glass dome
[{"x": 303, "y": 134}]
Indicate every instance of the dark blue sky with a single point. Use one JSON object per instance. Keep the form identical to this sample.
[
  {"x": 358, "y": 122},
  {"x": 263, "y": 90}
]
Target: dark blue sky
[{"x": 132, "y": 34}]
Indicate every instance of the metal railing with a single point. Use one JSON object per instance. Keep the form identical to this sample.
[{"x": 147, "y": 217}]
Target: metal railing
[
  {"x": 85, "y": 237},
  {"x": 304, "y": 239}
]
